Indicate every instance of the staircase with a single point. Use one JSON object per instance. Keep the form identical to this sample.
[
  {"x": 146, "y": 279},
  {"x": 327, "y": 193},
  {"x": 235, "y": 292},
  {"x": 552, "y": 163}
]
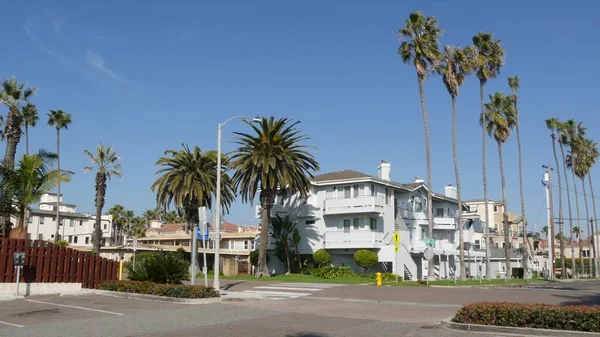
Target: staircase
[{"x": 407, "y": 274}]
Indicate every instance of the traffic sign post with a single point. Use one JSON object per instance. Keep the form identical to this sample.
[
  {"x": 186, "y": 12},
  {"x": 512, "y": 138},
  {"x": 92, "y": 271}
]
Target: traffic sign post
[
  {"x": 203, "y": 233},
  {"x": 19, "y": 262},
  {"x": 135, "y": 243},
  {"x": 396, "y": 239},
  {"x": 428, "y": 255}
]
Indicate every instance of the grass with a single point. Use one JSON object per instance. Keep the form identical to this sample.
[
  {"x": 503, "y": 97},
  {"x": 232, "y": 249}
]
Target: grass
[{"x": 299, "y": 278}]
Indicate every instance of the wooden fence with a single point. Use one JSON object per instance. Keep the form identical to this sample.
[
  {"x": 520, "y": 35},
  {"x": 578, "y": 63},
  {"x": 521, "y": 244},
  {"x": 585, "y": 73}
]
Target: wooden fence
[{"x": 46, "y": 262}]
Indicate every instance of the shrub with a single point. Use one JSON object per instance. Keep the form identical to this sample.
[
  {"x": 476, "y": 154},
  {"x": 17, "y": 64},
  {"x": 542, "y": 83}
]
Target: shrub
[
  {"x": 169, "y": 290},
  {"x": 333, "y": 272},
  {"x": 61, "y": 242},
  {"x": 254, "y": 258},
  {"x": 366, "y": 258},
  {"x": 386, "y": 277},
  {"x": 321, "y": 258},
  {"x": 540, "y": 316},
  {"x": 161, "y": 267},
  {"x": 518, "y": 272}
]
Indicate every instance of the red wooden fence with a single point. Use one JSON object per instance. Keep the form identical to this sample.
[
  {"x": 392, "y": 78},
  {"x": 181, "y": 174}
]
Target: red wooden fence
[{"x": 46, "y": 262}]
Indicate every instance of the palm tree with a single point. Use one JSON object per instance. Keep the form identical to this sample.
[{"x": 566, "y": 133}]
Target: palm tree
[
  {"x": 500, "y": 119},
  {"x": 577, "y": 232},
  {"x": 171, "y": 217},
  {"x": 2, "y": 128},
  {"x": 268, "y": 161},
  {"x": 32, "y": 177},
  {"x": 29, "y": 114},
  {"x": 554, "y": 124},
  {"x": 295, "y": 240},
  {"x": 514, "y": 83},
  {"x": 106, "y": 163},
  {"x": 187, "y": 180},
  {"x": 455, "y": 64},
  {"x": 128, "y": 217},
  {"x": 589, "y": 154},
  {"x": 488, "y": 61},
  {"x": 420, "y": 47},
  {"x": 152, "y": 214},
  {"x": 282, "y": 230},
  {"x": 117, "y": 212},
  {"x": 60, "y": 120},
  {"x": 563, "y": 140}
]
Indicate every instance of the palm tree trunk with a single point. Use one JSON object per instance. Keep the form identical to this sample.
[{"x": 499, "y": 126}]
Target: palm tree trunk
[
  {"x": 563, "y": 270},
  {"x": 573, "y": 261},
  {"x": 26, "y": 139},
  {"x": 58, "y": 198},
  {"x": 286, "y": 250},
  {"x": 506, "y": 225},
  {"x": 430, "y": 269},
  {"x": 12, "y": 133},
  {"x": 595, "y": 227},
  {"x": 526, "y": 272},
  {"x": 580, "y": 251},
  {"x": 298, "y": 257},
  {"x": 593, "y": 270},
  {"x": 264, "y": 238},
  {"x": 100, "y": 195},
  {"x": 458, "y": 193},
  {"x": 578, "y": 223},
  {"x": 488, "y": 271}
]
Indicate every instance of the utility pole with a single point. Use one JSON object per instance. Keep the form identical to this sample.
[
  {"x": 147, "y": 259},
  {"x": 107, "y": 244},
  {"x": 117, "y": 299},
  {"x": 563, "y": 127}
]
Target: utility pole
[{"x": 550, "y": 208}]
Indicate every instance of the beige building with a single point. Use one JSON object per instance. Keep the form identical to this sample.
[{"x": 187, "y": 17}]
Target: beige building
[{"x": 495, "y": 211}]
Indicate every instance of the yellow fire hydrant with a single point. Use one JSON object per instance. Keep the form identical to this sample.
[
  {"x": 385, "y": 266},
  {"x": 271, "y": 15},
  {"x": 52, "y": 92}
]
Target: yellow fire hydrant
[{"x": 378, "y": 278}]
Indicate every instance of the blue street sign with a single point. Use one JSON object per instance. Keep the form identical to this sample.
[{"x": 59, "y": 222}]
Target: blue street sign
[{"x": 199, "y": 234}]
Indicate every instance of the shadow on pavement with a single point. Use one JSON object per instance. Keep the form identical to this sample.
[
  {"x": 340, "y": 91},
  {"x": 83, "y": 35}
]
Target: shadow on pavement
[
  {"x": 588, "y": 300},
  {"x": 230, "y": 285},
  {"x": 307, "y": 334}
]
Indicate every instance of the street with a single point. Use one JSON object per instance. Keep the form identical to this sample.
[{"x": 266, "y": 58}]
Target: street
[{"x": 315, "y": 310}]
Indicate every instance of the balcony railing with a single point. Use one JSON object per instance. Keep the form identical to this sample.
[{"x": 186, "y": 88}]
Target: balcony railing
[
  {"x": 366, "y": 204},
  {"x": 294, "y": 211},
  {"x": 356, "y": 239}
]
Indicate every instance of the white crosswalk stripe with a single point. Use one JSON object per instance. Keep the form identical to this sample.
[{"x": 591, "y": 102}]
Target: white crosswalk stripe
[{"x": 281, "y": 291}]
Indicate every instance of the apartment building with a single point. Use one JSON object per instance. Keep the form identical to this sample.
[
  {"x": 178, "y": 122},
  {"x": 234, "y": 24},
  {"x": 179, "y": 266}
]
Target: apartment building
[
  {"x": 76, "y": 228},
  {"x": 349, "y": 210},
  {"x": 476, "y": 208}
]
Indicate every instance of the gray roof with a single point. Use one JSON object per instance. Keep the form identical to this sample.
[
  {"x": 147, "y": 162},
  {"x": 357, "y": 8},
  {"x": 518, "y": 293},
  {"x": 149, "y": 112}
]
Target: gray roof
[
  {"x": 62, "y": 214},
  {"x": 480, "y": 200},
  {"x": 341, "y": 175},
  {"x": 498, "y": 253}
]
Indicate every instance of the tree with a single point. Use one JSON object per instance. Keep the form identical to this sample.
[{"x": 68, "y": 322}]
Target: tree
[
  {"x": 593, "y": 150},
  {"x": 128, "y": 218},
  {"x": 500, "y": 119},
  {"x": 106, "y": 163},
  {"x": 272, "y": 159},
  {"x": 117, "y": 220},
  {"x": 588, "y": 153},
  {"x": 282, "y": 230},
  {"x": 60, "y": 120},
  {"x": 13, "y": 95},
  {"x": 514, "y": 83},
  {"x": 2, "y": 128},
  {"x": 153, "y": 214},
  {"x": 563, "y": 140},
  {"x": 455, "y": 64},
  {"x": 420, "y": 47},
  {"x": 554, "y": 124},
  {"x": 489, "y": 59},
  {"x": 295, "y": 242},
  {"x": 577, "y": 232},
  {"x": 172, "y": 216},
  {"x": 29, "y": 115},
  {"x": 32, "y": 177}
]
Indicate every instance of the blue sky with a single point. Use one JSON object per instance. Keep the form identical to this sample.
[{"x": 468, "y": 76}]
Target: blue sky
[{"x": 146, "y": 78}]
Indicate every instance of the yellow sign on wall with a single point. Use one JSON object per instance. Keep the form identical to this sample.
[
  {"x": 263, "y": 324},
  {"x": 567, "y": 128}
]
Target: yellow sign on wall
[{"x": 396, "y": 239}]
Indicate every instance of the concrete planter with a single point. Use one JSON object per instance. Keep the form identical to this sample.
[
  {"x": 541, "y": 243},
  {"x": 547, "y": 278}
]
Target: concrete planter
[
  {"x": 38, "y": 288},
  {"x": 492, "y": 329}
]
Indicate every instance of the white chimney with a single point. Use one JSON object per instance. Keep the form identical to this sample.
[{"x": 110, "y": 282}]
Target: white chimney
[
  {"x": 384, "y": 170},
  {"x": 451, "y": 192},
  {"x": 418, "y": 180}
]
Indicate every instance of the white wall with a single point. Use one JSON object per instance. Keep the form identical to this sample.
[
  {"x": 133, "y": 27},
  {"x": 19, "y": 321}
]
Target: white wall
[{"x": 43, "y": 226}]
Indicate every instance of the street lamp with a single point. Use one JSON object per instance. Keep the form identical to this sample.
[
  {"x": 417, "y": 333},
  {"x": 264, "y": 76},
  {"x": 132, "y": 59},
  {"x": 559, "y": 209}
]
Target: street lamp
[{"x": 216, "y": 283}]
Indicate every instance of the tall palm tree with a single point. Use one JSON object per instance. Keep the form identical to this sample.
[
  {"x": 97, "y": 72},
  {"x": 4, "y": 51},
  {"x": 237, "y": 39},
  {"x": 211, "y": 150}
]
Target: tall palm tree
[
  {"x": 420, "y": 47},
  {"x": 32, "y": 177},
  {"x": 514, "y": 83},
  {"x": 106, "y": 162},
  {"x": 589, "y": 151},
  {"x": 554, "y": 124},
  {"x": 271, "y": 159},
  {"x": 455, "y": 64},
  {"x": 128, "y": 218},
  {"x": 60, "y": 120},
  {"x": 13, "y": 95},
  {"x": 2, "y": 128},
  {"x": 500, "y": 119},
  {"x": 577, "y": 232},
  {"x": 488, "y": 61},
  {"x": 29, "y": 113},
  {"x": 563, "y": 140},
  {"x": 117, "y": 212},
  {"x": 188, "y": 180}
]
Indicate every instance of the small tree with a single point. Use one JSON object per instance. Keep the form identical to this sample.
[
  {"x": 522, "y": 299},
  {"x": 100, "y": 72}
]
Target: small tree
[
  {"x": 366, "y": 258},
  {"x": 322, "y": 258},
  {"x": 162, "y": 267}
]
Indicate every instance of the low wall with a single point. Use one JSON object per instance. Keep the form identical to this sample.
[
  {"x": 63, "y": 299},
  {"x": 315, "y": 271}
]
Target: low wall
[{"x": 38, "y": 288}]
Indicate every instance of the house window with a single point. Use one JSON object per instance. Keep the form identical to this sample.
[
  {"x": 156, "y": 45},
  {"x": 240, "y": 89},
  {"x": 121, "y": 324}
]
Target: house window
[
  {"x": 30, "y": 220},
  {"x": 246, "y": 244},
  {"x": 373, "y": 224},
  {"x": 347, "y": 192},
  {"x": 387, "y": 196},
  {"x": 74, "y": 239},
  {"x": 309, "y": 222},
  {"x": 80, "y": 222},
  {"x": 334, "y": 194},
  {"x": 105, "y": 226},
  {"x": 495, "y": 209},
  {"x": 70, "y": 239},
  {"x": 41, "y": 220},
  {"x": 361, "y": 222},
  {"x": 70, "y": 222},
  {"x": 477, "y": 244},
  {"x": 355, "y": 223},
  {"x": 87, "y": 240},
  {"x": 372, "y": 190},
  {"x": 40, "y": 236},
  {"x": 586, "y": 253},
  {"x": 439, "y": 212}
]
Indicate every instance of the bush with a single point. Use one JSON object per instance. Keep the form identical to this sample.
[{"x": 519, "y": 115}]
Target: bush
[
  {"x": 161, "y": 267},
  {"x": 333, "y": 272},
  {"x": 254, "y": 258},
  {"x": 169, "y": 290},
  {"x": 366, "y": 258},
  {"x": 61, "y": 242},
  {"x": 540, "y": 316},
  {"x": 321, "y": 258},
  {"x": 518, "y": 272}
]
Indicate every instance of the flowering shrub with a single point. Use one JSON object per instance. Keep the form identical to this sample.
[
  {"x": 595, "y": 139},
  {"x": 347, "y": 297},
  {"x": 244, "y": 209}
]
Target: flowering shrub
[
  {"x": 150, "y": 288},
  {"x": 540, "y": 316}
]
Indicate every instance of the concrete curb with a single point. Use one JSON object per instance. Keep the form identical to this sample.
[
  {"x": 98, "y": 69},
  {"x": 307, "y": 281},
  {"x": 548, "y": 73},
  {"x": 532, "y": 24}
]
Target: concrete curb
[
  {"x": 505, "y": 330},
  {"x": 6, "y": 298}
]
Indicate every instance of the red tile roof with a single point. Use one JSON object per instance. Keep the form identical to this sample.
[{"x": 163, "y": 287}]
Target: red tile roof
[{"x": 169, "y": 228}]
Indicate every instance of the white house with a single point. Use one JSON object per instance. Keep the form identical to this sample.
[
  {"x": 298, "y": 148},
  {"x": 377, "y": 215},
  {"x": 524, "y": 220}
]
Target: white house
[
  {"x": 76, "y": 228},
  {"x": 348, "y": 210}
]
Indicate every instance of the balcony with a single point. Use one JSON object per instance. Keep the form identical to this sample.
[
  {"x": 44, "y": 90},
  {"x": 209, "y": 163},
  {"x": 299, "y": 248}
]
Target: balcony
[
  {"x": 365, "y": 204},
  {"x": 357, "y": 239},
  {"x": 444, "y": 223},
  {"x": 282, "y": 210}
]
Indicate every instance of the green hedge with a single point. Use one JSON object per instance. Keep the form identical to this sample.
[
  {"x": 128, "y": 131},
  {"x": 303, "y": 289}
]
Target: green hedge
[
  {"x": 540, "y": 316},
  {"x": 168, "y": 290},
  {"x": 321, "y": 258},
  {"x": 332, "y": 272},
  {"x": 366, "y": 258}
]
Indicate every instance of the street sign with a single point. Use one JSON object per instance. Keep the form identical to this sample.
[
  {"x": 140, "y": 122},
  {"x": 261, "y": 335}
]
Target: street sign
[
  {"x": 396, "y": 239},
  {"x": 429, "y": 242},
  {"x": 199, "y": 233},
  {"x": 19, "y": 259},
  {"x": 428, "y": 253},
  {"x": 215, "y": 236}
]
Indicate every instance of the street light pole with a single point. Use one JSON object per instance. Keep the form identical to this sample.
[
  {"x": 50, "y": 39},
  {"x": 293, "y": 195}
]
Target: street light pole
[{"x": 550, "y": 208}]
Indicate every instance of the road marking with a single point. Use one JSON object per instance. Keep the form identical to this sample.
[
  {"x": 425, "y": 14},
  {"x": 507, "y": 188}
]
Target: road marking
[
  {"x": 11, "y": 324},
  {"x": 277, "y": 293},
  {"x": 76, "y": 307},
  {"x": 310, "y": 285},
  {"x": 287, "y": 288}
]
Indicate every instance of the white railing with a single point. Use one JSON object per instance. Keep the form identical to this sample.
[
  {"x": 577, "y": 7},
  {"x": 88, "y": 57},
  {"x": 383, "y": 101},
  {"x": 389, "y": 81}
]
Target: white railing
[
  {"x": 366, "y": 204},
  {"x": 356, "y": 239},
  {"x": 296, "y": 211}
]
